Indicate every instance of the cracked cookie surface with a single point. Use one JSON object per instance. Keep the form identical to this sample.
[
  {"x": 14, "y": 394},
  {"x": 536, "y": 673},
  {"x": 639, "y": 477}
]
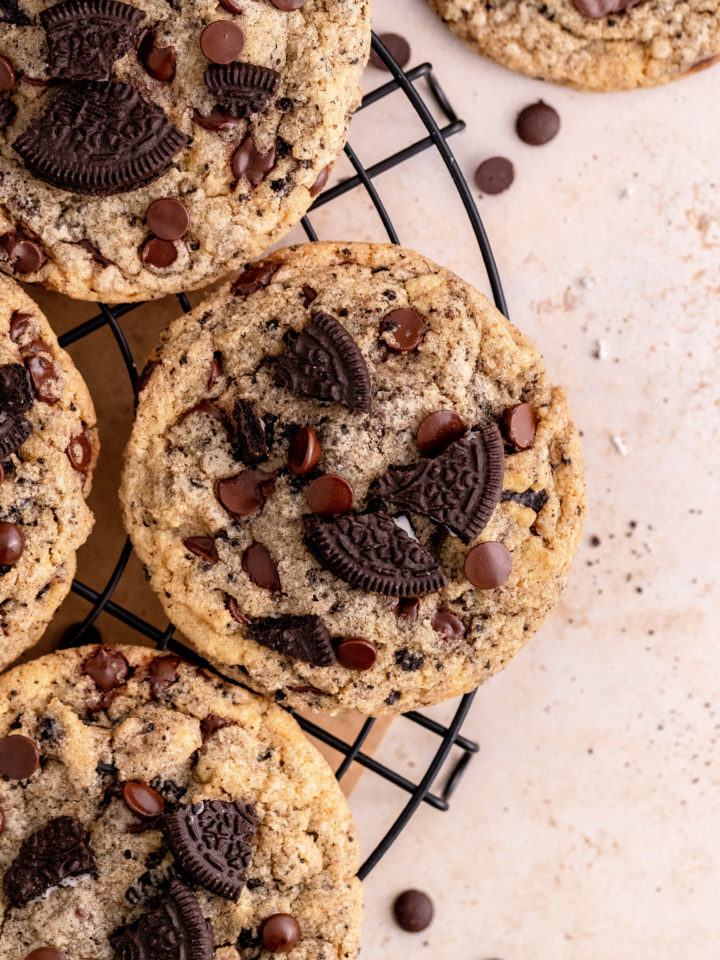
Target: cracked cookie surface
[
  {"x": 208, "y": 144},
  {"x": 339, "y": 559},
  {"x": 46, "y": 478},
  {"x": 652, "y": 43},
  {"x": 132, "y": 745}
]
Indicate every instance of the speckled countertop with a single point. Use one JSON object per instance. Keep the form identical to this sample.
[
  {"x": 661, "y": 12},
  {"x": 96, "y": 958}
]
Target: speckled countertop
[{"x": 588, "y": 825}]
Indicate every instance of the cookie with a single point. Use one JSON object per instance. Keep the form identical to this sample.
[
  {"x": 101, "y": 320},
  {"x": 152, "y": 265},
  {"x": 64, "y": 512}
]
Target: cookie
[
  {"x": 48, "y": 450},
  {"x": 406, "y": 515},
  {"x": 152, "y": 811},
  {"x": 149, "y": 147},
  {"x": 590, "y": 44}
]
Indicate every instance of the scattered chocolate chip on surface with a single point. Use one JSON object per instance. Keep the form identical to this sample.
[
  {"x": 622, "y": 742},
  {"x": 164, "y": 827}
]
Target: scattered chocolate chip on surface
[
  {"x": 203, "y": 547},
  {"x": 168, "y": 218},
  {"x": 413, "y": 911},
  {"x": 537, "y": 123},
  {"x": 398, "y": 47},
  {"x": 8, "y": 77},
  {"x": 108, "y": 668},
  {"x": 494, "y": 175},
  {"x": 12, "y": 543},
  {"x": 249, "y": 163},
  {"x": 159, "y": 62},
  {"x": 158, "y": 253},
  {"x": 447, "y": 623},
  {"x": 222, "y": 41},
  {"x": 247, "y": 492},
  {"x": 519, "y": 426},
  {"x": 163, "y": 672}
]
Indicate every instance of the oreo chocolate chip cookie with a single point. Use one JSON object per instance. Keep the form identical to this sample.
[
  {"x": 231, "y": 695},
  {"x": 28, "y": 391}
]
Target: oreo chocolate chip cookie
[
  {"x": 147, "y": 824},
  {"x": 384, "y": 503},
  {"x": 48, "y": 450},
  {"x": 148, "y": 148}
]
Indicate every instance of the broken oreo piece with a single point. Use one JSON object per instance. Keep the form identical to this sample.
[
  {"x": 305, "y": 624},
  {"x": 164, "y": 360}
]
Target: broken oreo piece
[
  {"x": 326, "y": 363},
  {"x": 7, "y": 112},
  {"x": 372, "y": 553},
  {"x": 460, "y": 488},
  {"x": 58, "y": 851},
  {"x": 211, "y": 842},
  {"x": 10, "y": 12},
  {"x": 100, "y": 138},
  {"x": 175, "y": 929},
  {"x": 250, "y": 440},
  {"x": 14, "y": 431},
  {"x": 242, "y": 89},
  {"x": 85, "y": 37},
  {"x": 305, "y": 638},
  {"x": 532, "y": 499},
  {"x": 16, "y": 389}
]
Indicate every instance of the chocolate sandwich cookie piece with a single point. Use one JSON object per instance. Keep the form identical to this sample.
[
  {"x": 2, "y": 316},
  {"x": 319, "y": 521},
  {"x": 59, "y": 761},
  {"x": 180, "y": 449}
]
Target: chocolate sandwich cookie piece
[
  {"x": 176, "y": 928},
  {"x": 242, "y": 89},
  {"x": 373, "y": 554},
  {"x": 56, "y": 853},
  {"x": 304, "y": 638},
  {"x": 86, "y": 37},
  {"x": 10, "y": 12},
  {"x": 100, "y": 139},
  {"x": 250, "y": 440},
  {"x": 16, "y": 389},
  {"x": 7, "y": 112},
  {"x": 326, "y": 363},
  {"x": 460, "y": 488},
  {"x": 107, "y": 667},
  {"x": 14, "y": 431},
  {"x": 211, "y": 842}
]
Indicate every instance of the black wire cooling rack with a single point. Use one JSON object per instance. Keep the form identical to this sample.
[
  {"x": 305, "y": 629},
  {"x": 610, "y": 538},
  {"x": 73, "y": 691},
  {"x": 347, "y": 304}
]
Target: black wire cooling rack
[{"x": 449, "y": 736}]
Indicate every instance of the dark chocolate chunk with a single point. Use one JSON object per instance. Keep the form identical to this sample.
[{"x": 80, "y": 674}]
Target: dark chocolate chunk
[
  {"x": 533, "y": 499},
  {"x": 159, "y": 62},
  {"x": 250, "y": 442},
  {"x": 246, "y": 493},
  {"x": 142, "y": 800},
  {"x": 258, "y": 564},
  {"x": 55, "y": 853},
  {"x": 16, "y": 389},
  {"x": 356, "y": 653},
  {"x": 107, "y": 667},
  {"x": 302, "y": 637},
  {"x": 281, "y": 932},
  {"x": 174, "y": 930},
  {"x": 494, "y": 175},
  {"x": 398, "y": 47},
  {"x": 249, "y": 164},
  {"x": 242, "y": 89},
  {"x": 595, "y": 9},
  {"x": 413, "y": 911},
  {"x": 162, "y": 673},
  {"x": 19, "y": 757},
  {"x": 216, "y": 121},
  {"x": 203, "y": 547},
  {"x": 222, "y": 41},
  {"x": 85, "y": 37},
  {"x": 254, "y": 278},
  {"x": 100, "y": 138},
  {"x": 326, "y": 363},
  {"x": 372, "y": 553},
  {"x": 406, "y": 608},
  {"x": 488, "y": 565},
  {"x": 7, "y": 112},
  {"x": 309, "y": 295},
  {"x": 460, "y": 488},
  {"x": 14, "y": 431},
  {"x": 211, "y": 842},
  {"x": 537, "y": 124}
]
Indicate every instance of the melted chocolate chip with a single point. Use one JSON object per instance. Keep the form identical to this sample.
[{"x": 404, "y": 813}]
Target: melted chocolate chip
[
  {"x": 356, "y": 653},
  {"x": 142, "y": 800},
  {"x": 216, "y": 121},
  {"x": 163, "y": 672},
  {"x": 80, "y": 453},
  {"x": 403, "y": 331},
  {"x": 18, "y": 325},
  {"x": 234, "y": 611},
  {"x": 203, "y": 547},
  {"x": 281, "y": 932},
  {"x": 438, "y": 431},
  {"x": 159, "y": 62},
  {"x": 19, "y": 757},
  {"x": 254, "y": 278},
  {"x": 216, "y": 372},
  {"x": 251, "y": 165},
  {"x": 212, "y": 723},
  {"x": 406, "y": 608},
  {"x": 330, "y": 495},
  {"x": 44, "y": 377},
  {"x": 232, "y": 6},
  {"x": 12, "y": 543},
  {"x": 322, "y": 178},
  {"x": 304, "y": 451},
  {"x": 258, "y": 564},
  {"x": 46, "y": 953},
  {"x": 488, "y": 565},
  {"x": 443, "y": 621},
  {"x": 108, "y": 668},
  {"x": 246, "y": 493},
  {"x": 25, "y": 256},
  {"x": 288, "y": 5},
  {"x": 595, "y": 9}
]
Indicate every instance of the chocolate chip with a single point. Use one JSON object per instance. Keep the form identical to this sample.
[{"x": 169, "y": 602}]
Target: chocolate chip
[
  {"x": 398, "y": 47},
  {"x": 222, "y": 41},
  {"x": 309, "y": 294},
  {"x": 68, "y": 146},
  {"x": 494, "y": 175},
  {"x": 595, "y": 9},
  {"x": 371, "y": 552},
  {"x": 44, "y": 377},
  {"x": 18, "y": 325},
  {"x": 232, "y": 6},
  {"x": 162, "y": 673},
  {"x": 304, "y": 638},
  {"x": 57, "y": 852},
  {"x": 460, "y": 488},
  {"x": 216, "y": 372},
  {"x": 142, "y": 800},
  {"x": 168, "y": 218},
  {"x": 413, "y": 911},
  {"x": 80, "y": 453},
  {"x": 85, "y": 37},
  {"x": 12, "y": 543},
  {"x": 288, "y": 5},
  {"x": 443, "y": 621},
  {"x": 281, "y": 932},
  {"x": 438, "y": 431},
  {"x": 242, "y": 89},
  {"x": 14, "y": 431},
  {"x": 403, "y": 331},
  {"x": 356, "y": 653},
  {"x": 158, "y": 253},
  {"x": 16, "y": 389},
  {"x": 254, "y": 278},
  {"x": 330, "y": 495},
  {"x": 247, "y": 492},
  {"x": 159, "y": 62},
  {"x": 108, "y": 668},
  {"x": 488, "y": 565},
  {"x": 326, "y": 363},
  {"x": 519, "y": 426},
  {"x": 8, "y": 77},
  {"x": 322, "y": 178},
  {"x": 217, "y": 120},
  {"x": 19, "y": 757},
  {"x": 304, "y": 451},
  {"x": 176, "y": 928},
  {"x": 234, "y": 611},
  {"x": 25, "y": 256},
  {"x": 251, "y": 165},
  {"x": 46, "y": 953},
  {"x": 258, "y": 564},
  {"x": 203, "y": 547},
  {"x": 211, "y": 842},
  {"x": 537, "y": 124},
  {"x": 250, "y": 442},
  {"x": 212, "y": 723},
  {"x": 406, "y": 608}
]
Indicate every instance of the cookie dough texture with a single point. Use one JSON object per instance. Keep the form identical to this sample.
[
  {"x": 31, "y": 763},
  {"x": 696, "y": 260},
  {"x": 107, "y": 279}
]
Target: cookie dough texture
[
  {"x": 319, "y": 51},
  {"x": 42, "y": 493},
  {"x": 652, "y": 43},
  {"x": 472, "y": 361},
  {"x": 305, "y": 853}
]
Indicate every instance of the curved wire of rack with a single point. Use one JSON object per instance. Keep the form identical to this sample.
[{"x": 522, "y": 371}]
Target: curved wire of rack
[{"x": 109, "y": 316}]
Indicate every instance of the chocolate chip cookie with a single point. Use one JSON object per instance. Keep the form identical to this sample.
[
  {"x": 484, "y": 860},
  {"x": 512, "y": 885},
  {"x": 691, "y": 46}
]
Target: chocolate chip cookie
[
  {"x": 149, "y": 147},
  {"x": 591, "y": 44},
  {"x": 48, "y": 449},
  {"x": 351, "y": 482},
  {"x": 152, "y": 812}
]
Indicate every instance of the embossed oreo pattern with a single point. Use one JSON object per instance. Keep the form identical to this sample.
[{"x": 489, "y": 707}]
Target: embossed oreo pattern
[
  {"x": 85, "y": 37},
  {"x": 57, "y": 852}
]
